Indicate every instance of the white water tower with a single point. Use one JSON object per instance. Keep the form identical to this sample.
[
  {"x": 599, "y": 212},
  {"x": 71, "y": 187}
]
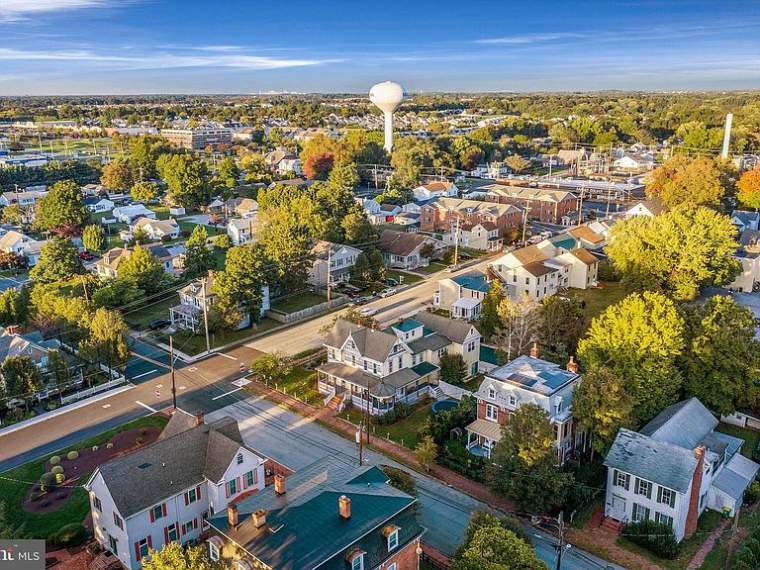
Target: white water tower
[{"x": 387, "y": 96}]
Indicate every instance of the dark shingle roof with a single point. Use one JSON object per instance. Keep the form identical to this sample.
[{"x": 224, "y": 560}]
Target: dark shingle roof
[
  {"x": 454, "y": 330},
  {"x": 309, "y": 531},
  {"x": 169, "y": 465},
  {"x": 401, "y": 243}
]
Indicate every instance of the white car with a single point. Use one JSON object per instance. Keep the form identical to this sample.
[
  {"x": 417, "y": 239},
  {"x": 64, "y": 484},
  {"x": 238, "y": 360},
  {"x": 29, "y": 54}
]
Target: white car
[
  {"x": 368, "y": 311},
  {"x": 388, "y": 292}
]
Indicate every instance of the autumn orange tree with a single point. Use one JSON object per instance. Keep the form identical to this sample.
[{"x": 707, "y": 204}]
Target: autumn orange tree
[{"x": 749, "y": 189}]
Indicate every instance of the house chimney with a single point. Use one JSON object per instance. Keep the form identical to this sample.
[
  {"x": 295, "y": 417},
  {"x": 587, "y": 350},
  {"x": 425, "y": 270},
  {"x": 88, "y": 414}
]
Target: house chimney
[
  {"x": 259, "y": 518},
  {"x": 279, "y": 484},
  {"x": 232, "y": 515},
  {"x": 534, "y": 350},
  {"x": 199, "y": 418},
  {"x": 344, "y": 507},
  {"x": 572, "y": 366},
  {"x": 692, "y": 515}
]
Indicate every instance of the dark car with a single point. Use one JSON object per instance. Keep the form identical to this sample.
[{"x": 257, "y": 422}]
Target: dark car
[
  {"x": 86, "y": 256},
  {"x": 158, "y": 324}
]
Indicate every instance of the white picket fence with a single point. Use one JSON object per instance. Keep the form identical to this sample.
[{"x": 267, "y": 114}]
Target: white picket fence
[
  {"x": 453, "y": 391},
  {"x": 94, "y": 390}
]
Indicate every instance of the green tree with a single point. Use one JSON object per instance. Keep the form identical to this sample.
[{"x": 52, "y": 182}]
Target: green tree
[
  {"x": 143, "y": 270},
  {"x": 425, "y": 452},
  {"x": 239, "y": 286},
  {"x": 489, "y": 322},
  {"x": 93, "y": 238},
  {"x": 222, "y": 241},
  {"x": 14, "y": 307},
  {"x": 272, "y": 367},
  {"x": 199, "y": 257},
  {"x": 748, "y": 185},
  {"x": 601, "y": 405},
  {"x": 58, "y": 261},
  {"x": 721, "y": 359},
  {"x": 9, "y": 528},
  {"x": 145, "y": 191},
  {"x": 560, "y": 326},
  {"x": 496, "y": 548},
  {"x": 688, "y": 182},
  {"x": 695, "y": 135},
  {"x": 343, "y": 179},
  {"x": 187, "y": 180},
  {"x": 62, "y": 210},
  {"x": 117, "y": 293},
  {"x": 12, "y": 214},
  {"x": 228, "y": 173},
  {"x": 174, "y": 556},
  {"x": 524, "y": 462},
  {"x": 20, "y": 376},
  {"x": 107, "y": 342},
  {"x": 117, "y": 175},
  {"x": 453, "y": 368},
  {"x": 639, "y": 340},
  {"x": 58, "y": 368},
  {"x": 677, "y": 252},
  {"x": 287, "y": 242},
  {"x": 517, "y": 163},
  {"x": 357, "y": 229}
]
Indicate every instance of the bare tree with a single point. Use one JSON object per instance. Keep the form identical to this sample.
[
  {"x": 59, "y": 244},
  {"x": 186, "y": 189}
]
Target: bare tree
[{"x": 520, "y": 319}]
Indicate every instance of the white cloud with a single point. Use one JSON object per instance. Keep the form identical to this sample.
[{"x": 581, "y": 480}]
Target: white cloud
[
  {"x": 15, "y": 10},
  {"x": 161, "y": 60},
  {"x": 528, "y": 39}
]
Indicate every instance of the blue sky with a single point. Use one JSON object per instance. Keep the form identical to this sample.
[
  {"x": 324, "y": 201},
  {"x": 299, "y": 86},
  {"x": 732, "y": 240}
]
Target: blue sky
[{"x": 248, "y": 46}]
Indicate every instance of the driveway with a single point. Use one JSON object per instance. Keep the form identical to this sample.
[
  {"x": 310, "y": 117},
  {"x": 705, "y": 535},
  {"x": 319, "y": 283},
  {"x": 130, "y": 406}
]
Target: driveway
[{"x": 295, "y": 441}]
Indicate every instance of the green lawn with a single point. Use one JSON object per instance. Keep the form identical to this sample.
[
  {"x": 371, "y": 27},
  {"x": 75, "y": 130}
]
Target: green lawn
[
  {"x": 434, "y": 267},
  {"x": 301, "y": 383},
  {"x": 298, "y": 302},
  {"x": 598, "y": 299},
  {"x": 405, "y": 432},
  {"x": 402, "y": 276},
  {"x": 708, "y": 522},
  {"x": 189, "y": 343},
  {"x": 139, "y": 318},
  {"x": 12, "y": 493},
  {"x": 751, "y": 437},
  {"x": 162, "y": 212}
]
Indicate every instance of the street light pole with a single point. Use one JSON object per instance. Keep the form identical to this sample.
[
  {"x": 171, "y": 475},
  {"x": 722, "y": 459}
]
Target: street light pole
[{"x": 171, "y": 364}]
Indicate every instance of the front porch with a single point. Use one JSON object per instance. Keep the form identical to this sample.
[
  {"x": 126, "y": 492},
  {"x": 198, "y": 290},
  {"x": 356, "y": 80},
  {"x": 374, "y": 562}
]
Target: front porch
[{"x": 482, "y": 437}]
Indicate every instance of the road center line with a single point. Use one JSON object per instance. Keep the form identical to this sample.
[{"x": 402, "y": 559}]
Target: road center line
[
  {"x": 144, "y": 374},
  {"x": 146, "y": 406},
  {"x": 226, "y": 356},
  {"x": 225, "y": 394}
]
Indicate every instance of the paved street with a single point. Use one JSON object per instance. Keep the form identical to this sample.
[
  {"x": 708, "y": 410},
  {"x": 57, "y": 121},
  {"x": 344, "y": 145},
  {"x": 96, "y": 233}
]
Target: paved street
[{"x": 306, "y": 335}]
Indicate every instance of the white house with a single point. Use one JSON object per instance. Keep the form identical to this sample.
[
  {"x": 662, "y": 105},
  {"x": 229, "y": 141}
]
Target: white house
[
  {"x": 526, "y": 379},
  {"x": 437, "y": 189},
  {"x": 462, "y": 295},
  {"x": 99, "y": 205},
  {"x": 157, "y": 229},
  {"x": 341, "y": 259},
  {"x": 674, "y": 468},
  {"x": 22, "y": 246},
  {"x": 171, "y": 258},
  {"x": 242, "y": 230},
  {"x": 28, "y": 197},
  {"x": 650, "y": 207},
  {"x": 744, "y": 220},
  {"x": 406, "y": 250},
  {"x": 166, "y": 491},
  {"x": 290, "y": 164},
  {"x": 126, "y": 214}
]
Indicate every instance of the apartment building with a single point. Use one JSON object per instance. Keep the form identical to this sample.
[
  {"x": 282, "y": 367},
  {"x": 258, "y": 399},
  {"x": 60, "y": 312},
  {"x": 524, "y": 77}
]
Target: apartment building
[
  {"x": 542, "y": 204},
  {"x": 198, "y": 138},
  {"x": 443, "y": 215},
  {"x": 166, "y": 491}
]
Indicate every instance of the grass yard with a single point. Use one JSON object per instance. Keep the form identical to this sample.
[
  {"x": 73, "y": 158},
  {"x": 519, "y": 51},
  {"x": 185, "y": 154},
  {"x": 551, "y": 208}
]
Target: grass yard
[
  {"x": 402, "y": 276},
  {"x": 189, "y": 343},
  {"x": 751, "y": 437},
  {"x": 598, "y": 299},
  {"x": 405, "y": 432},
  {"x": 301, "y": 383},
  {"x": 139, "y": 318},
  {"x": 297, "y": 302},
  {"x": 42, "y": 525},
  {"x": 434, "y": 267}
]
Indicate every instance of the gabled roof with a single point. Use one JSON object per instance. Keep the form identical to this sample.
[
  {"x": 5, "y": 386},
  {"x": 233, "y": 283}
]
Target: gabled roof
[
  {"x": 529, "y": 254},
  {"x": 401, "y": 243},
  {"x": 185, "y": 457},
  {"x": 322, "y": 248},
  {"x": 532, "y": 374},
  {"x": 587, "y": 234},
  {"x": 585, "y": 256},
  {"x": 538, "y": 268},
  {"x": 453, "y": 329},
  {"x": 462, "y": 205},
  {"x": 685, "y": 424},
  {"x": 303, "y": 527},
  {"x": 437, "y": 186},
  {"x": 373, "y": 344},
  {"x": 745, "y": 217},
  {"x": 653, "y": 205},
  {"x": 11, "y": 238}
]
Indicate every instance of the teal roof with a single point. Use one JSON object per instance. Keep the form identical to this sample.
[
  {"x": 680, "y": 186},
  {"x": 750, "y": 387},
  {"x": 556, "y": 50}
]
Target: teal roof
[
  {"x": 303, "y": 528},
  {"x": 488, "y": 355},
  {"x": 426, "y": 331},
  {"x": 407, "y": 325},
  {"x": 424, "y": 368},
  {"x": 564, "y": 241},
  {"x": 475, "y": 281}
]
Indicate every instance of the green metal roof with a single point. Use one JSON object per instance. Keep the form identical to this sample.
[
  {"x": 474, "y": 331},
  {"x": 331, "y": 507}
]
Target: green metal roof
[
  {"x": 565, "y": 241},
  {"x": 488, "y": 355},
  {"x": 407, "y": 325},
  {"x": 424, "y": 368},
  {"x": 475, "y": 281}
]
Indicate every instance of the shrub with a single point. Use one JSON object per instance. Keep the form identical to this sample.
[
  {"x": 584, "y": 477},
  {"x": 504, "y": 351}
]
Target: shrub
[
  {"x": 656, "y": 537},
  {"x": 47, "y": 481},
  {"x": 71, "y": 455},
  {"x": 35, "y": 496},
  {"x": 607, "y": 272},
  {"x": 59, "y": 477},
  {"x": 400, "y": 479},
  {"x": 57, "y": 469},
  {"x": 752, "y": 494},
  {"x": 399, "y": 412},
  {"x": 68, "y": 536},
  {"x": 55, "y": 460}
]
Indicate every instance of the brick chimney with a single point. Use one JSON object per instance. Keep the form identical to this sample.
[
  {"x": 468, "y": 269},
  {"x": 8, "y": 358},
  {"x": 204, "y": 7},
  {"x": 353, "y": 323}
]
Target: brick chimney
[
  {"x": 232, "y": 515},
  {"x": 199, "y": 418},
  {"x": 279, "y": 484},
  {"x": 572, "y": 366},
  {"x": 344, "y": 507},
  {"x": 535, "y": 352},
  {"x": 259, "y": 518},
  {"x": 696, "y": 483}
]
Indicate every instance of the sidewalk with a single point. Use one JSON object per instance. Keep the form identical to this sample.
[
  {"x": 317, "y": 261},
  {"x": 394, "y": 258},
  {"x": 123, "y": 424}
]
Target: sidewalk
[{"x": 401, "y": 454}]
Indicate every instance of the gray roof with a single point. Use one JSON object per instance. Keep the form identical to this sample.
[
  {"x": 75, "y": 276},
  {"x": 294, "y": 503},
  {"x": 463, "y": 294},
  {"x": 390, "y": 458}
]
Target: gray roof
[
  {"x": 186, "y": 457},
  {"x": 401, "y": 243},
  {"x": 653, "y": 460},
  {"x": 430, "y": 342},
  {"x": 373, "y": 344},
  {"x": 453, "y": 329},
  {"x": 685, "y": 424},
  {"x": 745, "y": 217}
]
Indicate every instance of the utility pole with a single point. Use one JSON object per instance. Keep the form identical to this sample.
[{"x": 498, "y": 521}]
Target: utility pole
[
  {"x": 171, "y": 364},
  {"x": 525, "y": 223},
  {"x": 580, "y": 207},
  {"x": 84, "y": 288},
  {"x": 561, "y": 545},
  {"x": 359, "y": 434},
  {"x": 609, "y": 192},
  {"x": 205, "y": 315},
  {"x": 329, "y": 272}
]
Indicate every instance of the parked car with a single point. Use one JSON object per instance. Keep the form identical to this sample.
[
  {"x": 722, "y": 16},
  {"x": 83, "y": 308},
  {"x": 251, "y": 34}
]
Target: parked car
[
  {"x": 158, "y": 324},
  {"x": 391, "y": 281},
  {"x": 368, "y": 311},
  {"x": 388, "y": 292},
  {"x": 86, "y": 256}
]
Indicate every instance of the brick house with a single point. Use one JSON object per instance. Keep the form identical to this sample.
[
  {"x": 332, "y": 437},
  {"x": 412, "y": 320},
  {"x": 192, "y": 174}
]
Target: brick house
[
  {"x": 526, "y": 379},
  {"x": 328, "y": 515},
  {"x": 543, "y": 204},
  {"x": 442, "y": 214}
]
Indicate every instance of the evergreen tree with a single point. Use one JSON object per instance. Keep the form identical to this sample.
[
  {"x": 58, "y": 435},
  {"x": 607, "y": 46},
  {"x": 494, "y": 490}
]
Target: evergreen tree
[
  {"x": 489, "y": 322},
  {"x": 143, "y": 270},
  {"x": 93, "y": 239},
  {"x": 199, "y": 257}
]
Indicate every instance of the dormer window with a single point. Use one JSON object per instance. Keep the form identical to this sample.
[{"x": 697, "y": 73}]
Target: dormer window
[
  {"x": 239, "y": 458},
  {"x": 358, "y": 562},
  {"x": 491, "y": 393},
  {"x": 393, "y": 540},
  {"x": 512, "y": 400}
]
